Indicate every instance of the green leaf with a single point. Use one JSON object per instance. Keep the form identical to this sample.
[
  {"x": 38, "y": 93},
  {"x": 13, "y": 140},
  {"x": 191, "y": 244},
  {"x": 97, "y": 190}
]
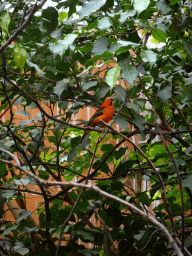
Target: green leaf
[
  {"x": 22, "y": 251},
  {"x": 23, "y": 181},
  {"x": 23, "y": 113},
  {"x": 20, "y": 57},
  {"x": 107, "y": 147},
  {"x": 106, "y": 218},
  {"x": 4, "y": 21},
  {"x": 187, "y": 46},
  {"x": 143, "y": 198},
  {"x": 140, "y": 122},
  {"x": 154, "y": 41},
  {"x": 119, "y": 153},
  {"x": 159, "y": 35},
  {"x": 7, "y": 231},
  {"x": 85, "y": 236},
  {"x": 140, "y": 5},
  {"x": 56, "y": 34},
  {"x": 148, "y": 56},
  {"x": 30, "y": 64},
  {"x": 140, "y": 235},
  {"x": 102, "y": 93},
  {"x": 2, "y": 169},
  {"x": 120, "y": 93},
  {"x": 123, "y": 167},
  {"x": 165, "y": 93},
  {"x": 90, "y": 195},
  {"x": 7, "y": 194},
  {"x": 72, "y": 154},
  {"x": 60, "y": 46},
  {"x": 63, "y": 15},
  {"x": 188, "y": 241},
  {"x": 125, "y": 15},
  {"x": 116, "y": 185},
  {"x": 50, "y": 18},
  {"x": 104, "y": 23},
  {"x": 89, "y": 85},
  {"x": 90, "y": 252},
  {"x": 163, "y": 6},
  {"x": 90, "y": 7},
  {"x": 100, "y": 46},
  {"x": 112, "y": 76},
  {"x": 61, "y": 86},
  {"x": 188, "y": 93},
  {"x": 123, "y": 43},
  {"x": 188, "y": 151},
  {"x": 133, "y": 106},
  {"x": 172, "y": 2},
  {"x": 129, "y": 72},
  {"x": 122, "y": 122},
  {"x": 23, "y": 215},
  {"x": 187, "y": 182}
]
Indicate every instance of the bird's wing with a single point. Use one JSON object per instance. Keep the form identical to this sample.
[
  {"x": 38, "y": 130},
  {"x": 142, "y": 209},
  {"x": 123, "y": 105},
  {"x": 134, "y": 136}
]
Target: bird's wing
[{"x": 96, "y": 115}]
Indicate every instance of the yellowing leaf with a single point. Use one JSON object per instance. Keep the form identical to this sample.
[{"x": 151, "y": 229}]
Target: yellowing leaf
[{"x": 20, "y": 56}]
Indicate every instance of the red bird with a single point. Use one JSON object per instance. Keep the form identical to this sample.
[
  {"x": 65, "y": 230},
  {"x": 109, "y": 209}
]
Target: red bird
[{"x": 105, "y": 113}]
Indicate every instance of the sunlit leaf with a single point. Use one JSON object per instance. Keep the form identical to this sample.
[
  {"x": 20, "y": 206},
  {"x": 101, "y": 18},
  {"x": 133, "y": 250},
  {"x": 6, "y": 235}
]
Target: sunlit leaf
[
  {"x": 104, "y": 23},
  {"x": 149, "y": 56},
  {"x": 63, "y": 15},
  {"x": 159, "y": 35},
  {"x": 126, "y": 14},
  {"x": 90, "y": 7},
  {"x": 4, "y": 21},
  {"x": 112, "y": 76},
  {"x": 140, "y": 5},
  {"x": 60, "y": 46}
]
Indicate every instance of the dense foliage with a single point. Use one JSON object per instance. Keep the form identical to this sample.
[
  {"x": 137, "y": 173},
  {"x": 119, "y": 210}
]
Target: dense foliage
[{"x": 60, "y": 60}]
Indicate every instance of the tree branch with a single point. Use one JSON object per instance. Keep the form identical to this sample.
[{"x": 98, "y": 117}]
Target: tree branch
[
  {"x": 34, "y": 9},
  {"x": 147, "y": 217}
]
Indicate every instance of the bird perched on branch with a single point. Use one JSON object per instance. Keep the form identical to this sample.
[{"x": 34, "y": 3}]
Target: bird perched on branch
[{"x": 105, "y": 113}]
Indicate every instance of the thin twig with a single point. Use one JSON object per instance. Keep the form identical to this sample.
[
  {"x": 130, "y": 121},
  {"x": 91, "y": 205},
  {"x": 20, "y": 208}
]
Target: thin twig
[
  {"x": 67, "y": 220},
  {"x": 24, "y": 14}
]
